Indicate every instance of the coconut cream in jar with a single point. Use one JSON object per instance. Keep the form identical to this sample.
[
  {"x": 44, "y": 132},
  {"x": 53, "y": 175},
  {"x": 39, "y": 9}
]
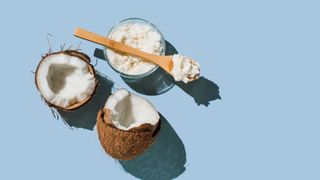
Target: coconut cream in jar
[{"x": 139, "y": 34}]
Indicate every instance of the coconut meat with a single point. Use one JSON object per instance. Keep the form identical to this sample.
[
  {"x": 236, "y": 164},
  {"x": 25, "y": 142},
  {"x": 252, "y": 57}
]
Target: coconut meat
[
  {"x": 64, "y": 80},
  {"x": 129, "y": 110}
]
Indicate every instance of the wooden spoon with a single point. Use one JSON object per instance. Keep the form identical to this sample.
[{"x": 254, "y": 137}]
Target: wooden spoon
[{"x": 165, "y": 62}]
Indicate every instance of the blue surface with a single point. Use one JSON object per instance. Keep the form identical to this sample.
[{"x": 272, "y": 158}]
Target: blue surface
[{"x": 264, "y": 56}]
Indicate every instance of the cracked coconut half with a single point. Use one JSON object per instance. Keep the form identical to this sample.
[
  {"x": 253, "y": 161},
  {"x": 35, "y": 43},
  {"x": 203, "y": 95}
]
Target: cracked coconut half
[
  {"x": 127, "y": 125},
  {"x": 66, "y": 79}
]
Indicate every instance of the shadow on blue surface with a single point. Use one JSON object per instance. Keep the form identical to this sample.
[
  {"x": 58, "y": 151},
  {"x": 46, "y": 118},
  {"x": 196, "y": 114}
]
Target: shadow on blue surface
[
  {"x": 85, "y": 117},
  {"x": 202, "y": 90},
  {"x": 156, "y": 83},
  {"x": 165, "y": 159}
]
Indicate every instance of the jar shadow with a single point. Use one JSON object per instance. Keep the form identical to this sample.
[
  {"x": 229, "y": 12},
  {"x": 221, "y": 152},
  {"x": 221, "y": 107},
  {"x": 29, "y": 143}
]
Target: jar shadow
[
  {"x": 156, "y": 83},
  {"x": 165, "y": 159},
  {"x": 203, "y": 90},
  {"x": 85, "y": 117}
]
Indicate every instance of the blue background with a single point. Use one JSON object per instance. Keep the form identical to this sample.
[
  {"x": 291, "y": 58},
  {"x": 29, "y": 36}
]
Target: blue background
[{"x": 263, "y": 55}]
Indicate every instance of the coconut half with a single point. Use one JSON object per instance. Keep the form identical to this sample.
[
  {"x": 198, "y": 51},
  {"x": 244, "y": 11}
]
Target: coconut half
[
  {"x": 127, "y": 125},
  {"x": 66, "y": 79}
]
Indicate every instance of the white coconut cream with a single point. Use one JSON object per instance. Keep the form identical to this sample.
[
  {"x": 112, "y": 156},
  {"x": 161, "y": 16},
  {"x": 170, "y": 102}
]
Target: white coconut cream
[
  {"x": 137, "y": 35},
  {"x": 184, "y": 68}
]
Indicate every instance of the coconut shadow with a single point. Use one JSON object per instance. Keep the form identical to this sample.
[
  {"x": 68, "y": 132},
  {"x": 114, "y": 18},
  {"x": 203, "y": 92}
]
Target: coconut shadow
[
  {"x": 165, "y": 159},
  {"x": 86, "y": 117}
]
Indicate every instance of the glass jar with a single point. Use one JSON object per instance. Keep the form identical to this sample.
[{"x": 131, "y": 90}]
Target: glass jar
[{"x": 155, "y": 81}]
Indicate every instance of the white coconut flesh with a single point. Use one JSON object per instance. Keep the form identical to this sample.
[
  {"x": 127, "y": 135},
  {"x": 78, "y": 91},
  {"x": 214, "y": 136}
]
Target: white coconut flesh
[
  {"x": 129, "y": 110},
  {"x": 64, "y": 80}
]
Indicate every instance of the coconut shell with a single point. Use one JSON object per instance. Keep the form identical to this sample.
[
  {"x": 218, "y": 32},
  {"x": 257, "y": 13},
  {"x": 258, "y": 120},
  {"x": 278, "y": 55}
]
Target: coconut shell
[
  {"x": 81, "y": 56},
  {"x": 124, "y": 145}
]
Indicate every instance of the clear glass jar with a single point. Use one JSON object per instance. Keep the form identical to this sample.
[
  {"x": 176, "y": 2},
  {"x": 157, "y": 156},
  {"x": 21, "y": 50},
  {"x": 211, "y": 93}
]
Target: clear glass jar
[{"x": 154, "y": 82}]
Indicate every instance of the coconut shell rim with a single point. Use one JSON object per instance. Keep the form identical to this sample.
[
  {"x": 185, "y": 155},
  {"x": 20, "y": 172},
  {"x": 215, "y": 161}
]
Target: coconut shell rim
[{"x": 102, "y": 131}]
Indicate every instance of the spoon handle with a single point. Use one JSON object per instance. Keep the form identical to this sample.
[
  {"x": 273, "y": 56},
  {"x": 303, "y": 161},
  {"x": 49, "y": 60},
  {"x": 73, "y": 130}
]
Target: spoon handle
[{"x": 96, "y": 38}]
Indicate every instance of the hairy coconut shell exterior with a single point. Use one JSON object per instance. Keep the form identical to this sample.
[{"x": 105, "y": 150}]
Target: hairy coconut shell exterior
[
  {"x": 124, "y": 145},
  {"x": 81, "y": 56}
]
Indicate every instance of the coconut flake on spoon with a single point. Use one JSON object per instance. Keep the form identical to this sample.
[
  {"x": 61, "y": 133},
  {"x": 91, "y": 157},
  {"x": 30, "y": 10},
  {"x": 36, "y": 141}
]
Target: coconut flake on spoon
[
  {"x": 127, "y": 125},
  {"x": 184, "y": 68},
  {"x": 66, "y": 79}
]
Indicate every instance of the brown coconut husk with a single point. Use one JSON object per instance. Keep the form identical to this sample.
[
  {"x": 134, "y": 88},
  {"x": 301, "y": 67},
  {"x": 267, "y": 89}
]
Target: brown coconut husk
[
  {"x": 124, "y": 145},
  {"x": 81, "y": 56}
]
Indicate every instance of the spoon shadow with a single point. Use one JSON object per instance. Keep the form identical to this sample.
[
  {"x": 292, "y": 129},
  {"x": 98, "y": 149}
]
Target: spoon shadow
[
  {"x": 202, "y": 90},
  {"x": 85, "y": 117},
  {"x": 165, "y": 159}
]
